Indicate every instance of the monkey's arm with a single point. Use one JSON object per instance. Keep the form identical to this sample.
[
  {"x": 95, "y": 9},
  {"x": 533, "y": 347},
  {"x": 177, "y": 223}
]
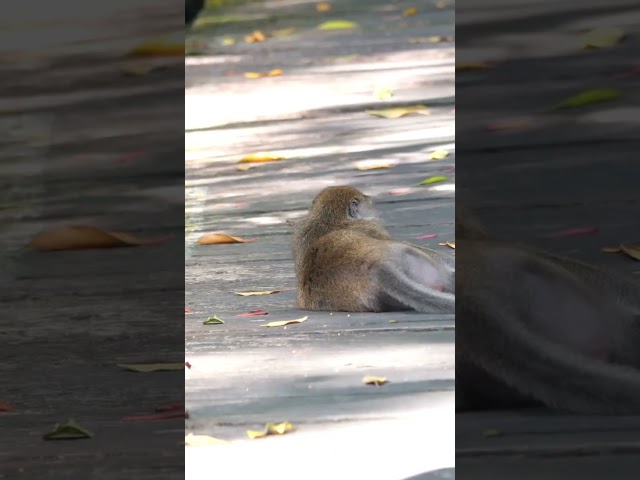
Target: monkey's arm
[{"x": 410, "y": 277}]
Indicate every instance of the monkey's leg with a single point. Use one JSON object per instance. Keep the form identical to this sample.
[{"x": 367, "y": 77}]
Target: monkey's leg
[{"x": 488, "y": 330}]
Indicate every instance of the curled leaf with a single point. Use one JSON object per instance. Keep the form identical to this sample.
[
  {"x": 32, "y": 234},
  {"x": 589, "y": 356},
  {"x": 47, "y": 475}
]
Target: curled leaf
[
  {"x": 438, "y": 155},
  {"x": 448, "y": 244},
  {"x": 67, "y": 431},
  {"x": 590, "y": 96},
  {"x": 602, "y": 37},
  {"x": 436, "y": 179},
  {"x": 283, "y": 323},
  {"x": 271, "y": 429},
  {"x": 633, "y": 252},
  {"x": 192, "y": 440},
  {"x": 213, "y": 321},
  {"x": 399, "y": 111},
  {"x": 261, "y": 157},
  {"x": 337, "y": 25},
  {"x": 371, "y": 380},
  {"x": 82, "y": 237},
  {"x": 256, "y": 36},
  {"x": 251, "y": 294},
  {"x": 152, "y": 367},
  {"x": 222, "y": 239}
]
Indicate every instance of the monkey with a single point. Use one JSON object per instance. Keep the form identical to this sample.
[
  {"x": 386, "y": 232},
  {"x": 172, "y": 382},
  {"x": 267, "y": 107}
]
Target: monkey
[
  {"x": 535, "y": 329},
  {"x": 345, "y": 260}
]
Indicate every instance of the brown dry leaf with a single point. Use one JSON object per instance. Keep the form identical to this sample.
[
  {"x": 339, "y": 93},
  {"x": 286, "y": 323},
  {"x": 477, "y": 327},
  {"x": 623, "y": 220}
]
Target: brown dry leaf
[
  {"x": 633, "y": 252},
  {"x": 271, "y": 429},
  {"x": 398, "y": 112},
  {"x": 410, "y": 12},
  {"x": 6, "y": 407},
  {"x": 80, "y": 237},
  {"x": 371, "y": 380},
  {"x": 192, "y": 440},
  {"x": 283, "y": 323},
  {"x": 261, "y": 157},
  {"x": 256, "y": 36},
  {"x": 222, "y": 239},
  {"x": 448, "y": 244},
  {"x": 323, "y": 7},
  {"x": 466, "y": 66},
  {"x": 251, "y": 294},
  {"x": 373, "y": 164}
]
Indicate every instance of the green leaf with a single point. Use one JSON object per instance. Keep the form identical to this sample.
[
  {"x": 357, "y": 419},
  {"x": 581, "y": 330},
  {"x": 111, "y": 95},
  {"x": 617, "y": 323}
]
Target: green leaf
[
  {"x": 68, "y": 431},
  {"x": 393, "y": 321},
  {"x": 213, "y": 321},
  {"x": 590, "y": 96},
  {"x": 431, "y": 180},
  {"x": 337, "y": 25},
  {"x": 602, "y": 37}
]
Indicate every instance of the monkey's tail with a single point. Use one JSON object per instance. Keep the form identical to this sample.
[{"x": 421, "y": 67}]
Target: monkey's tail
[{"x": 537, "y": 367}]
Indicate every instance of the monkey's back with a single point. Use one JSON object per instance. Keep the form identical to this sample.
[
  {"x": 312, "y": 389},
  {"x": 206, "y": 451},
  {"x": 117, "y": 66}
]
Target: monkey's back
[{"x": 335, "y": 272}]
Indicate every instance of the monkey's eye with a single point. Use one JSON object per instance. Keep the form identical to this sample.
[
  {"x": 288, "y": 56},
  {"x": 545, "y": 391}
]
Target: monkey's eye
[{"x": 353, "y": 208}]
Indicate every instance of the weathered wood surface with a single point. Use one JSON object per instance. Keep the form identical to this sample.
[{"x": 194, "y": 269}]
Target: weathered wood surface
[{"x": 244, "y": 375}]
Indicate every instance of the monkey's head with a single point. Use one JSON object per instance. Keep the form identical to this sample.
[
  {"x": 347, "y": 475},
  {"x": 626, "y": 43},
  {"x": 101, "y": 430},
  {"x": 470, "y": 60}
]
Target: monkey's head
[{"x": 337, "y": 204}]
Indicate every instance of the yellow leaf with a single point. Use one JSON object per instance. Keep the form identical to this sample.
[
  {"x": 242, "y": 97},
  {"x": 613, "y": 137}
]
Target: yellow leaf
[
  {"x": 250, "y": 294},
  {"x": 438, "y": 155},
  {"x": 430, "y": 180},
  {"x": 590, "y": 96},
  {"x": 81, "y": 237},
  {"x": 261, "y": 157},
  {"x": 271, "y": 429},
  {"x": 228, "y": 41},
  {"x": 383, "y": 93},
  {"x": 152, "y": 367},
  {"x": 275, "y": 72},
  {"x": 192, "y": 440},
  {"x": 221, "y": 239},
  {"x": 254, "y": 37},
  {"x": 463, "y": 66},
  {"x": 410, "y": 12},
  {"x": 283, "y": 323},
  {"x": 448, "y": 244},
  {"x": 254, "y": 74},
  {"x": 172, "y": 45},
  {"x": 602, "y": 37},
  {"x": 371, "y": 380},
  {"x": 633, "y": 252},
  {"x": 323, "y": 7},
  {"x": 372, "y": 164},
  {"x": 399, "y": 111},
  {"x": 337, "y": 25}
]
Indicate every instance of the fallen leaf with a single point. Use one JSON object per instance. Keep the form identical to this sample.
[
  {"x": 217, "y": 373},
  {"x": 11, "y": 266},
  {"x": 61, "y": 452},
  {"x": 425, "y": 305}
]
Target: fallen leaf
[
  {"x": 256, "y": 36},
  {"x": 371, "y": 380},
  {"x": 393, "y": 321},
  {"x": 283, "y": 323},
  {"x": 448, "y": 244},
  {"x": 611, "y": 249},
  {"x": 470, "y": 66},
  {"x": 441, "y": 4},
  {"x": 187, "y": 310},
  {"x": 438, "y": 155},
  {"x": 171, "y": 45},
  {"x": 590, "y": 96},
  {"x": 398, "y": 112},
  {"x": 80, "y": 237},
  {"x": 213, "y": 321},
  {"x": 383, "y": 93},
  {"x": 323, "y": 7},
  {"x": 337, "y": 25},
  {"x": 192, "y": 440},
  {"x": 6, "y": 407},
  {"x": 410, "y": 12},
  {"x": 633, "y": 252},
  {"x": 261, "y": 157},
  {"x": 228, "y": 41},
  {"x": 430, "y": 235},
  {"x": 284, "y": 32},
  {"x": 602, "y": 37},
  {"x": 492, "y": 432},
  {"x": 151, "y": 367},
  {"x": 372, "y": 164},
  {"x": 68, "y": 431},
  {"x": 271, "y": 73},
  {"x": 436, "y": 179},
  {"x": 137, "y": 69},
  {"x": 573, "y": 232},
  {"x": 253, "y": 313},
  {"x": 187, "y": 364},
  {"x": 250, "y": 294},
  {"x": 222, "y": 239},
  {"x": 432, "y": 39},
  {"x": 400, "y": 191},
  {"x": 155, "y": 416},
  {"x": 246, "y": 166},
  {"x": 271, "y": 429}
]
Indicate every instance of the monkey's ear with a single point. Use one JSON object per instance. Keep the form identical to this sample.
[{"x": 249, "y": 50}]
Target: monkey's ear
[{"x": 353, "y": 208}]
